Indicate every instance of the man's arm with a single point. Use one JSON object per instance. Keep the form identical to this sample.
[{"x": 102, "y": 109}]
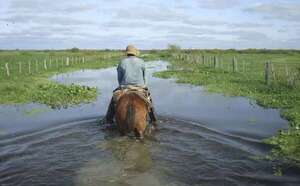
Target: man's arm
[
  {"x": 144, "y": 73},
  {"x": 120, "y": 73}
]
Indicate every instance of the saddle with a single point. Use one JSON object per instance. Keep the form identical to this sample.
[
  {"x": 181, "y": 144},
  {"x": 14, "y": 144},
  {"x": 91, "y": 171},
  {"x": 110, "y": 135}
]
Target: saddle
[{"x": 142, "y": 92}]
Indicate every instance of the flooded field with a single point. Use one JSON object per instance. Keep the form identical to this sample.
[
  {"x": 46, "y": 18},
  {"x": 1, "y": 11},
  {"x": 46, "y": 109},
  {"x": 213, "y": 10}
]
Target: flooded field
[{"x": 203, "y": 139}]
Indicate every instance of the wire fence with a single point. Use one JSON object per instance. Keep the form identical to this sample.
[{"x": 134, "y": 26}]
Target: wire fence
[
  {"x": 285, "y": 73},
  {"x": 14, "y": 67}
]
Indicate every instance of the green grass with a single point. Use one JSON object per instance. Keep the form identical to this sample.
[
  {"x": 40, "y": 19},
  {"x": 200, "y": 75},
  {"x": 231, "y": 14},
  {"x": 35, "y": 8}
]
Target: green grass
[
  {"x": 57, "y": 95},
  {"x": 250, "y": 83},
  {"x": 25, "y": 87}
]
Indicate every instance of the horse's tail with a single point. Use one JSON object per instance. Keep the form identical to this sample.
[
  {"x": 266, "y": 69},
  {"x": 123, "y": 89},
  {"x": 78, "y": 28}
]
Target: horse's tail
[{"x": 130, "y": 116}]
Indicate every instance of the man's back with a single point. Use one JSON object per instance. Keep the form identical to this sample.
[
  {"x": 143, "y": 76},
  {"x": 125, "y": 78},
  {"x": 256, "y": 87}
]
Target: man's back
[{"x": 131, "y": 71}]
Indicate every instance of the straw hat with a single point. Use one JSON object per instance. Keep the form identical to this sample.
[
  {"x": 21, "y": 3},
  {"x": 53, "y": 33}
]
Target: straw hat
[{"x": 130, "y": 49}]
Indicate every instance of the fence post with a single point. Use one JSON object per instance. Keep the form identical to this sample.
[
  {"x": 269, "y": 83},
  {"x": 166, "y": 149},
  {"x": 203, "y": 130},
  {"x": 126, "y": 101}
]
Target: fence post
[
  {"x": 50, "y": 63},
  {"x": 197, "y": 59},
  {"x": 83, "y": 60},
  {"x": 20, "y": 68},
  {"x": 228, "y": 67},
  {"x": 273, "y": 72},
  {"x": 286, "y": 72},
  {"x": 36, "y": 66},
  {"x": 267, "y": 73},
  {"x": 234, "y": 64},
  {"x": 208, "y": 61},
  {"x": 288, "y": 77},
  {"x": 29, "y": 67},
  {"x": 68, "y": 61},
  {"x": 45, "y": 64},
  {"x": 216, "y": 65},
  {"x": 7, "y": 69}
]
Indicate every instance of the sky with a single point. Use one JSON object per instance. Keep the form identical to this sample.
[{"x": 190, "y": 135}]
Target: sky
[{"x": 151, "y": 24}]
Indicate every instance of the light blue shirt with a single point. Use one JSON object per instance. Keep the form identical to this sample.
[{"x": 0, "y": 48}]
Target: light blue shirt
[{"x": 131, "y": 71}]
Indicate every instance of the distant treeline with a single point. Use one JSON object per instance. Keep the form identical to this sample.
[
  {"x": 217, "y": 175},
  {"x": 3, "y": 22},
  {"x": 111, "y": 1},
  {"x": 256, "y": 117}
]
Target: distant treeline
[
  {"x": 62, "y": 50},
  {"x": 217, "y": 51},
  {"x": 246, "y": 51}
]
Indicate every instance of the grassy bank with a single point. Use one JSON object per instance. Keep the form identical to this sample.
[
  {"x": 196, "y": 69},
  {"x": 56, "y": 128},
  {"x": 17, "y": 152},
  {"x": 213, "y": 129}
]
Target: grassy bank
[
  {"x": 28, "y": 79},
  {"x": 250, "y": 82}
]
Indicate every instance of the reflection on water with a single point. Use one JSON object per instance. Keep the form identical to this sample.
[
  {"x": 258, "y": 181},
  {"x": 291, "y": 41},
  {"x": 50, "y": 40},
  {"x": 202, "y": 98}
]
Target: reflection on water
[
  {"x": 129, "y": 164},
  {"x": 203, "y": 139}
]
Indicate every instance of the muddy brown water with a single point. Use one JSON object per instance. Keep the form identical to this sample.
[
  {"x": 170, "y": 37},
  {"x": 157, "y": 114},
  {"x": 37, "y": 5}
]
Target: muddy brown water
[{"x": 203, "y": 139}]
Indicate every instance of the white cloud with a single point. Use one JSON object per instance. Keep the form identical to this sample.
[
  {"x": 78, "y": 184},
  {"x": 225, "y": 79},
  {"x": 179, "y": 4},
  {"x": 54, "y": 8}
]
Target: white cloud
[
  {"x": 45, "y": 6},
  {"x": 126, "y": 24},
  {"x": 150, "y": 13},
  {"x": 217, "y": 4},
  {"x": 46, "y": 20},
  {"x": 286, "y": 11}
]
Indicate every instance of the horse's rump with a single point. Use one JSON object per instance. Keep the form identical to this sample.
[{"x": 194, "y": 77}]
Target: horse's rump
[
  {"x": 138, "y": 91},
  {"x": 131, "y": 112}
]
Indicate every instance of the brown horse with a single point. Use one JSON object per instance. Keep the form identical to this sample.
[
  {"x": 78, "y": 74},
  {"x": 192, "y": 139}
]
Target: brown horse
[{"x": 131, "y": 114}]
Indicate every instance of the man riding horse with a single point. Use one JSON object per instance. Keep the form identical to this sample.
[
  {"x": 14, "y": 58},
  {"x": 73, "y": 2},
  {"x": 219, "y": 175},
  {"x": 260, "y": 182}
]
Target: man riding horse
[{"x": 131, "y": 73}]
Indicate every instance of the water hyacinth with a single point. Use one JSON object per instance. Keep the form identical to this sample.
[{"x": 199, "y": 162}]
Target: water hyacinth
[{"x": 58, "y": 95}]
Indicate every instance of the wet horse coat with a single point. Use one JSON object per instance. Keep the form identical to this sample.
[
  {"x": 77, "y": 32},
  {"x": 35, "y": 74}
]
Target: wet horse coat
[{"x": 131, "y": 113}]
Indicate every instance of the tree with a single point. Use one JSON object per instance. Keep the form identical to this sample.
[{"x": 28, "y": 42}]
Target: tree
[
  {"x": 174, "y": 48},
  {"x": 74, "y": 49}
]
